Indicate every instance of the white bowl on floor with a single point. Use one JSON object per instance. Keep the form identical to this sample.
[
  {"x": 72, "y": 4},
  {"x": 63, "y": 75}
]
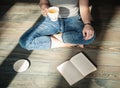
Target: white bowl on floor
[{"x": 21, "y": 65}]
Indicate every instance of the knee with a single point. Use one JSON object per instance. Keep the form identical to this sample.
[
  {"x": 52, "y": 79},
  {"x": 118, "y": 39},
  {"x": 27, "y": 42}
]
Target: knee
[{"x": 23, "y": 43}]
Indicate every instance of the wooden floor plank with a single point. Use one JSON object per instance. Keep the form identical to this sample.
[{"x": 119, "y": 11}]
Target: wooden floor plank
[{"x": 104, "y": 52}]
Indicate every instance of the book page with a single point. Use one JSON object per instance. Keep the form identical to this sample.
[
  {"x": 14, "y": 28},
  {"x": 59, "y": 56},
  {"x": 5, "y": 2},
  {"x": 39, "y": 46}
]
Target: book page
[
  {"x": 81, "y": 62},
  {"x": 69, "y": 72}
]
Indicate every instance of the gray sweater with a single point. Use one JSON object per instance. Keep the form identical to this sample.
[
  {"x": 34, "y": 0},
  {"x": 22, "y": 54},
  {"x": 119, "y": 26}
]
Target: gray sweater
[{"x": 68, "y": 8}]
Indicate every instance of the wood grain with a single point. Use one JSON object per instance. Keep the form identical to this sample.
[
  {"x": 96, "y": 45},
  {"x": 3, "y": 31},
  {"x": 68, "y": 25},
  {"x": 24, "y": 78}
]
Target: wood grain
[{"x": 104, "y": 52}]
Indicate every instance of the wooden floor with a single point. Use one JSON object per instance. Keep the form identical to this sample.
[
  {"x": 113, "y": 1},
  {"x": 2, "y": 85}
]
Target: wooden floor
[{"x": 18, "y": 16}]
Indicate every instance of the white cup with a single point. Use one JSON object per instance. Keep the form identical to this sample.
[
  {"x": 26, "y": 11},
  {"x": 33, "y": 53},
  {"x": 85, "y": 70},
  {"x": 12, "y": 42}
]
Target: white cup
[{"x": 53, "y": 13}]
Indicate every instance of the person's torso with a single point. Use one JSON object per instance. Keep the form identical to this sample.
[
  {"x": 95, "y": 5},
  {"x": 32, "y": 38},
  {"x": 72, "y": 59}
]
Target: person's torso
[{"x": 68, "y": 8}]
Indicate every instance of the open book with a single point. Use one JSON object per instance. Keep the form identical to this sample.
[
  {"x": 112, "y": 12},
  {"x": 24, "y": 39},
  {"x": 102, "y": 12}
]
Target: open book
[{"x": 76, "y": 68}]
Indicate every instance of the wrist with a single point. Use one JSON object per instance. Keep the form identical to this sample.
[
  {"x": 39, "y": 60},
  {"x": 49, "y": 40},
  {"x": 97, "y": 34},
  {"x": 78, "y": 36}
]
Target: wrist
[
  {"x": 87, "y": 24},
  {"x": 43, "y": 7},
  {"x": 43, "y": 3},
  {"x": 46, "y": 4}
]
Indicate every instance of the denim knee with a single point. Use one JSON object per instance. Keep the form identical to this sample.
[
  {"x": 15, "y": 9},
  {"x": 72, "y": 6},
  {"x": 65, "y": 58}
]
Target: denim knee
[
  {"x": 76, "y": 38},
  {"x": 42, "y": 42},
  {"x": 22, "y": 43}
]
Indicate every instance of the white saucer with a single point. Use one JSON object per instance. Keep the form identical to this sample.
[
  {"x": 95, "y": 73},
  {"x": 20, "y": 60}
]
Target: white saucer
[{"x": 21, "y": 65}]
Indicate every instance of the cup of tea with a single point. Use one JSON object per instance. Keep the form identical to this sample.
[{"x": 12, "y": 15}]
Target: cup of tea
[{"x": 53, "y": 13}]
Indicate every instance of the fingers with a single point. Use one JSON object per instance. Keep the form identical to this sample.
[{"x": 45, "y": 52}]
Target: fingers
[
  {"x": 88, "y": 34},
  {"x": 84, "y": 33},
  {"x": 44, "y": 12}
]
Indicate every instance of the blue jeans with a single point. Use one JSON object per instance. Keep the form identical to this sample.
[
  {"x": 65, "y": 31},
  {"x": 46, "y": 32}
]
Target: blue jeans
[{"x": 38, "y": 37}]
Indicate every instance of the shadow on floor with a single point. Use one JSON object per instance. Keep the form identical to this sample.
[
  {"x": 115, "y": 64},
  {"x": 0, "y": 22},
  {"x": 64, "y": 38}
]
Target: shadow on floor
[
  {"x": 5, "y": 5},
  {"x": 102, "y": 19},
  {"x": 7, "y": 73},
  {"x": 102, "y": 11}
]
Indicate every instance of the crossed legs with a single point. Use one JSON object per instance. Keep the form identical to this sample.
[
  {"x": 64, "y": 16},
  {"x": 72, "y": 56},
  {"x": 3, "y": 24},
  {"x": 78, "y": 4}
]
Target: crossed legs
[{"x": 42, "y": 35}]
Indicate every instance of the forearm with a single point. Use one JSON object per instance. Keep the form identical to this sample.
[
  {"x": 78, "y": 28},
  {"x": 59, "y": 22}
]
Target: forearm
[
  {"x": 85, "y": 11},
  {"x": 43, "y": 3}
]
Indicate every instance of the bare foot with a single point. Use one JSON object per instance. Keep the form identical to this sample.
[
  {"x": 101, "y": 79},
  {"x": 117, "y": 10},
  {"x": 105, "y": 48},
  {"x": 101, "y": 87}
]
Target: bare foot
[
  {"x": 57, "y": 43},
  {"x": 58, "y": 36},
  {"x": 80, "y": 45}
]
